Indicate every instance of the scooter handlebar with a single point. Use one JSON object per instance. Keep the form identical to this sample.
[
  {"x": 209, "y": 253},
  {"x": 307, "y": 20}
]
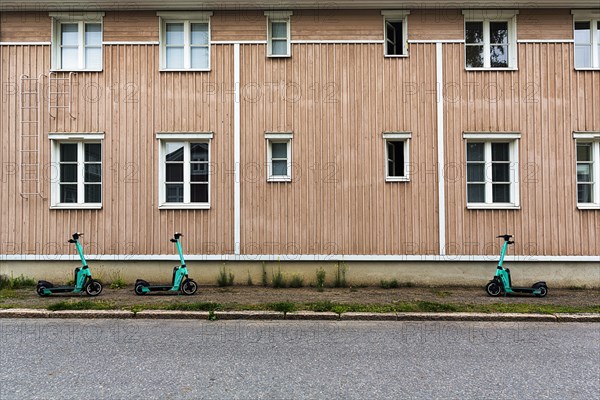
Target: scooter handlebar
[
  {"x": 176, "y": 237},
  {"x": 75, "y": 237},
  {"x": 506, "y": 237}
]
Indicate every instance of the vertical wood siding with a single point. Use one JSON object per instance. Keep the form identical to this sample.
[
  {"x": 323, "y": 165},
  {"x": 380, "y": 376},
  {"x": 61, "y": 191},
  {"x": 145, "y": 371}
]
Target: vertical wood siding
[
  {"x": 545, "y": 100},
  {"x": 339, "y": 100}
]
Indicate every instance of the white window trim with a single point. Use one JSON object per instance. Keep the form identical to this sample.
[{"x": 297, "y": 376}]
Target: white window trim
[
  {"x": 593, "y": 17},
  {"x": 513, "y": 138},
  {"x": 397, "y": 136},
  {"x": 186, "y": 18},
  {"x": 81, "y": 18},
  {"x": 186, "y": 138},
  {"x": 56, "y": 139},
  {"x": 396, "y": 16},
  {"x": 594, "y": 139},
  {"x": 279, "y": 16},
  {"x": 487, "y": 16},
  {"x": 272, "y": 137}
]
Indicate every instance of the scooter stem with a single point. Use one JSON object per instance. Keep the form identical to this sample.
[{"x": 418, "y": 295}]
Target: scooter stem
[
  {"x": 180, "y": 252},
  {"x": 80, "y": 251}
]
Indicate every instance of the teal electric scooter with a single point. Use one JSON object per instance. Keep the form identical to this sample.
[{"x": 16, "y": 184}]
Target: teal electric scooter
[
  {"x": 501, "y": 282},
  {"x": 83, "y": 281},
  {"x": 180, "y": 282}
]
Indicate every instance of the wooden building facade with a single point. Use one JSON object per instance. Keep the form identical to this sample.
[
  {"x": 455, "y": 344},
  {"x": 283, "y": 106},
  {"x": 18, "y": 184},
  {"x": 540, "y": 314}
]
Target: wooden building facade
[{"x": 381, "y": 133}]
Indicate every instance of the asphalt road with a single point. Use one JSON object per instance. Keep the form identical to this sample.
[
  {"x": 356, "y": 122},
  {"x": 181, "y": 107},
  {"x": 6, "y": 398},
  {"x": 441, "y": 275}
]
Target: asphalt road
[{"x": 124, "y": 359}]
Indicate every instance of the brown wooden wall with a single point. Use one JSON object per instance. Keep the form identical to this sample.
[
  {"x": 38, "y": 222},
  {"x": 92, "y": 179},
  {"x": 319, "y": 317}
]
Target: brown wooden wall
[
  {"x": 337, "y": 99},
  {"x": 546, "y": 100}
]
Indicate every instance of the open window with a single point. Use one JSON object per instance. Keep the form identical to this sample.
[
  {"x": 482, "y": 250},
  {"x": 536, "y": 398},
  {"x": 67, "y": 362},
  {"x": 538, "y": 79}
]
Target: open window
[
  {"x": 396, "y": 155},
  {"x": 395, "y": 32}
]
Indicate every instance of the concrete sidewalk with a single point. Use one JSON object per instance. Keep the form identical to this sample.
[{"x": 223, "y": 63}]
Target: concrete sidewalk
[{"x": 299, "y": 315}]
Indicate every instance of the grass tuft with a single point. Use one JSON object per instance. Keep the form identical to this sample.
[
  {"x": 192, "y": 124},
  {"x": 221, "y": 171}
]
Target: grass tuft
[{"x": 81, "y": 305}]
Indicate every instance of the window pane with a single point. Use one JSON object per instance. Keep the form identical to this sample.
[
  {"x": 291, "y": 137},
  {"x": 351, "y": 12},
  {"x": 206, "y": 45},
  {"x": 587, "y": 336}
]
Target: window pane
[
  {"x": 279, "y": 150},
  {"x": 174, "y": 34},
  {"x": 584, "y": 173},
  {"x": 199, "y": 193},
  {"x": 175, "y": 57},
  {"x": 584, "y": 152},
  {"x": 395, "y": 158},
  {"x": 474, "y": 56},
  {"x": 390, "y": 32},
  {"x": 93, "y": 172},
  {"x": 174, "y": 151},
  {"x": 499, "y": 32},
  {"x": 475, "y": 193},
  {"x": 500, "y": 172},
  {"x": 582, "y": 33},
  {"x": 92, "y": 152},
  {"x": 200, "y": 57},
  {"x": 475, "y": 152},
  {"x": 93, "y": 57},
  {"x": 278, "y": 30},
  {"x": 279, "y": 47},
  {"x": 68, "y": 193},
  {"x": 199, "y": 34},
  {"x": 476, "y": 172},
  {"x": 500, "y": 152},
  {"x": 474, "y": 32},
  {"x": 501, "y": 193},
  {"x": 69, "y": 58},
  {"x": 93, "y": 35},
  {"x": 583, "y": 56},
  {"x": 279, "y": 168},
  {"x": 394, "y": 38},
  {"x": 174, "y": 193},
  {"x": 68, "y": 172},
  {"x": 92, "y": 193},
  {"x": 68, "y": 152},
  {"x": 199, "y": 172},
  {"x": 499, "y": 56},
  {"x": 199, "y": 151},
  {"x": 584, "y": 193},
  {"x": 69, "y": 36},
  {"x": 174, "y": 172}
]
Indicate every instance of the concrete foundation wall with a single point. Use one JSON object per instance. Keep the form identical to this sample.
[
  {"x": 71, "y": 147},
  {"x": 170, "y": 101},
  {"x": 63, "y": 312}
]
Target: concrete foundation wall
[{"x": 556, "y": 274}]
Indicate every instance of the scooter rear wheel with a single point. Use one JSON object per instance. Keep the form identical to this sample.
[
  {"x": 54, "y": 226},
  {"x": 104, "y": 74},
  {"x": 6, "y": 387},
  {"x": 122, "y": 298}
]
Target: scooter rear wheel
[
  {"x": 40, "y": 291},
  {"x": 138, "y": 290},
  {"x": 493, "y": 289},
  {"x": 189, "y": 287},
  {"x": 543, "y": 291},
  {"x": 93, "y": 288}
]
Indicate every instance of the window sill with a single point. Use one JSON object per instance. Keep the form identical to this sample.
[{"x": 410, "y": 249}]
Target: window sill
[
  {"x": 185, "y": 70},
  {"x": 395, "y": 55},
  {"x": 397, "y": 179},
  {"x": 499, "y": 206},
  {"x": 282, "y": 179},
  {"x": 199, "y": 206},
  {"x": 279, "y": 56},
  {"x": 588, "y": 69},
  {"x": 588, "y": 206},
  {"x": 510, "y": 69},
  {"x": 76, "y": 70},
  {"x": 76, "y": 207}
]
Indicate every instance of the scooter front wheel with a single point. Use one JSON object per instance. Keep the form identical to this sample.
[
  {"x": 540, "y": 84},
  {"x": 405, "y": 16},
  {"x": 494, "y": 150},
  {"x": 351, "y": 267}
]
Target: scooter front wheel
[
  {"x": 189, "y": 287},
  {"x": 493, "y": 289},
  {"x": 138, "y": 290},
  {"x": 93, "y": 288}
]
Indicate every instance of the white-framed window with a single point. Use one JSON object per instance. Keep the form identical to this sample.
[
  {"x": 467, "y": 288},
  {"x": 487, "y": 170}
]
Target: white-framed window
[
  {"x": 77, "y": 41},
  {"x": 279, "y": 157},
  {"x": 185, "y": 40},
  {"x": 279, "y": 33},
  {"x": 184, "y": 171},
  {"x": 586, "y": 34},
  {"x": 395, "y": 31},
  {"x": 396, "y": 156},
  {"x": 588, "y": 169},
  {"x": 77, "y": 170},
  {"x": 490, "y": 39},
  {"x": 492, "y": 170}
]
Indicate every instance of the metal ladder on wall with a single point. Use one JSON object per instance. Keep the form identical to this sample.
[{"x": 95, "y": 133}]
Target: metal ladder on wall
[
  {"x": 65, "y": 90},
  {"x": 30, "y": 135}
]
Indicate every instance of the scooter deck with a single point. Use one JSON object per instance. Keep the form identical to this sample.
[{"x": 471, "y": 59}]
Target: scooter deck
[
  {"x": 61, "y": 289},
  {"x": 159, "y": 288},
  {"x": 524, "y": 289}
]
